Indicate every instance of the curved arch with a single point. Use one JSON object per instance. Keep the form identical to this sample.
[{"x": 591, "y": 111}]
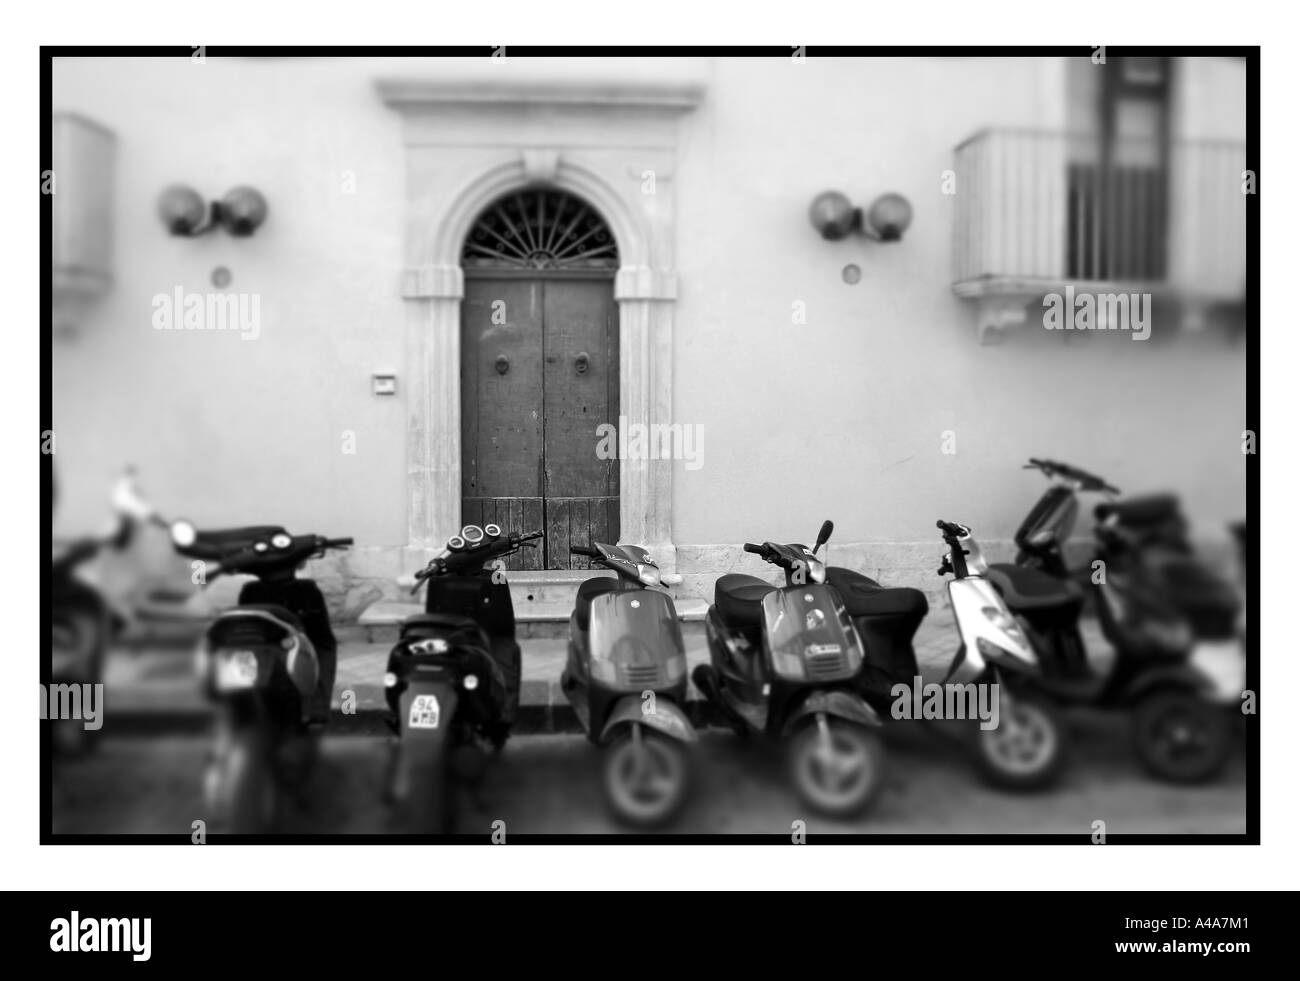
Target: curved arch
[
  {"x": 540, "y": 228},
  {"x": 512, "y": 175}
]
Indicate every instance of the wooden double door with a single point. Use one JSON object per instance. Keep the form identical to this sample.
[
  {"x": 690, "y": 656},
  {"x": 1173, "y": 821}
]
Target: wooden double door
[{"x": 539, "y": 377}]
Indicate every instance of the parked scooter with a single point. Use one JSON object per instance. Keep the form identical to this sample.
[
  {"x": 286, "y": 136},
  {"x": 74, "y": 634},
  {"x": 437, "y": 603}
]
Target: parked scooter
[
  {"x": 1179, "y": 663},
  {"x": 453, "y": 678},
  {"x": 83, "y": 619},
  {"x": 1026, "y": 749},
  {"x": 268, "y": 665},
  {"x": 783, "y": 662},
  {"x": 1040, "y": 540},
  {"x": 626, "y": 681}
]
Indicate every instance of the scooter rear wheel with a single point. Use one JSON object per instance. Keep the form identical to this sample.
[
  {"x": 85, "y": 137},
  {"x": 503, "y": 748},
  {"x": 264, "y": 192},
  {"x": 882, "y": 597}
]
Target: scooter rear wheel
[
  {"x": 646, "y": 777},
  {"x": 241, "y": 787},
  {"x": 838, "y": 772},
  {"x": 1180, "y": 737},
  {"x": 1027, "y": 749}
]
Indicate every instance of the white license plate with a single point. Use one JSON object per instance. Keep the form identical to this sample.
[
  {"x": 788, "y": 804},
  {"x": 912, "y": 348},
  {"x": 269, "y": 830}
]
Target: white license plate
[
  {"x": 424, "y": 712},
  {"x": 236, "y": 670}
]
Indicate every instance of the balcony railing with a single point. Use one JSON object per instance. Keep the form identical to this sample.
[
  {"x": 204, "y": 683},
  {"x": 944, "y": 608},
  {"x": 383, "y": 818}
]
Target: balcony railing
[{"x": 1035, "y": 210}]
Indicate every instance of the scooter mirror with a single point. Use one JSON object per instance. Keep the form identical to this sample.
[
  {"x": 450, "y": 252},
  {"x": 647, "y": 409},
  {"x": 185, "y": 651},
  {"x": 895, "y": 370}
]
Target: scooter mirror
[
  {"x": 184, "y": 534},
  {"x": 824, "y": 535},
  {"x": 127, "y": 499}
]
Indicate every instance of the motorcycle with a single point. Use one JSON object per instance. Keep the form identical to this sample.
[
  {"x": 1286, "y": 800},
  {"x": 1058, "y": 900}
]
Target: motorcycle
[
  {"x": 626, "y": 680},
  {"x": 1179, "y": 663},
  {"x": 453, "y": 678},
  {"x": 784, "y": 662},
  {"x": 1026, "y": 748},
  {"x": 268, "y": 666}
]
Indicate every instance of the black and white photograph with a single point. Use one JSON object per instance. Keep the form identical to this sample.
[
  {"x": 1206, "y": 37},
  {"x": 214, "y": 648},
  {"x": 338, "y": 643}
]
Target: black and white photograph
[{"x": 463, "y": 444}]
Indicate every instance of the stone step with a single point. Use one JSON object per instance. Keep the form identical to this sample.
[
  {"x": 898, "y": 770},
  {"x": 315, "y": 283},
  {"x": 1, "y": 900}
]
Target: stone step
[
  {"x": 543, "y": 601},
  {"x": 535, "y": 616}
]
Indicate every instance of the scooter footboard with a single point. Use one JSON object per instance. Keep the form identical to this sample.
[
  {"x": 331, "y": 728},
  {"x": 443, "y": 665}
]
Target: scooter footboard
[
  {"x": 833, "y": 702},
  {"x": 660, "y": 713}
]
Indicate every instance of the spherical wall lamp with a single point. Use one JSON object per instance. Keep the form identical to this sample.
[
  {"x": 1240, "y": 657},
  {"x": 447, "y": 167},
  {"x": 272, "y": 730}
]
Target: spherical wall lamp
[
  {"x": 835, "y": 217},
  {"x": 182, "y": 210},
  {"x": 243, "y": 209},
  {"x": 185, "y": 213}
]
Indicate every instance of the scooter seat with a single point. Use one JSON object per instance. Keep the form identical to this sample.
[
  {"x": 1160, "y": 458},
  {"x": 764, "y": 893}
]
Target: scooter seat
[
  {"x": 864, "y": 597},
  {"x": 589, "y": 590},
  {"x": 739, "y": 599},
  {"x": 1149, "y": 509},
  {"x": 1030, "y": 589}
]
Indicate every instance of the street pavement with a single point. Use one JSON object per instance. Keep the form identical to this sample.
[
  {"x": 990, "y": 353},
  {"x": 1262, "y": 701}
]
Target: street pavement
[{"x": 146, "y": 780}]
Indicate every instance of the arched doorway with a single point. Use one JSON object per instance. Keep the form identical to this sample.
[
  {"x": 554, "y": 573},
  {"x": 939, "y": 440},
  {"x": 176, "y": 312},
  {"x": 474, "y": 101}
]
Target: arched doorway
[{"x": 540, "y": 373}]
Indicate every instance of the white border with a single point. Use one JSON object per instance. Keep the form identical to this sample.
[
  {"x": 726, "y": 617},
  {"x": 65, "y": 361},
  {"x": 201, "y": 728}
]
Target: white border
[{"x": 1076, "y": 868}]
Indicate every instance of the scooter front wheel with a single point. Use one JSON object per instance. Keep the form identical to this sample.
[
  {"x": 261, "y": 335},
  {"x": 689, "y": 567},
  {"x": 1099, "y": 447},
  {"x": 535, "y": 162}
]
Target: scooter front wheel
[
  {"x": 645, "y": 777},
  {"x": 837, "y": 766},
  {"x": 1180, "y": 737},
  {"x": 1026, "y": 750}
]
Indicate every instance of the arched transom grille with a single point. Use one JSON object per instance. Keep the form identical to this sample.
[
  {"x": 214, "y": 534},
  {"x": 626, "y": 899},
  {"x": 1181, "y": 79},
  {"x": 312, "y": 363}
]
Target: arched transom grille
[{"x": 540, "y": 229}]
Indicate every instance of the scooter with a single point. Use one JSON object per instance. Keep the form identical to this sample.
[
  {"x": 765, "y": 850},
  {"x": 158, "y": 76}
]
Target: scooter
[
  {"x": 452, "y": 681},
  {"x": 1041, "y": 537},
  {"x": 1179, "y": 663},
  {"x": 83, "y": 618},
  {"x": 626, "y": 681},
  {"x": 267, "y": 665},
  {"x": 1026, "y": 748},
  {"x": 784, "y": 662}
]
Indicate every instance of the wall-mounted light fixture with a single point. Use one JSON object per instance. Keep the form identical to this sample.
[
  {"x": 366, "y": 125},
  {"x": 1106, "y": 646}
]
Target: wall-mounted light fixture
[
  {"x": 185, "y": 213},
  {"x": 835, "y": 217}
]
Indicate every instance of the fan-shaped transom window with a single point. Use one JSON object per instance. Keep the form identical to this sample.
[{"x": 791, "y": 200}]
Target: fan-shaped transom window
[{"x": 540, "y": 229}]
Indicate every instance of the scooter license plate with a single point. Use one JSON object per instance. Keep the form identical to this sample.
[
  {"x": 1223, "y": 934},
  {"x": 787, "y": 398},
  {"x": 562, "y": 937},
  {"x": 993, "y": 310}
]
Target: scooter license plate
[
  {"x": 424, "y": 712},
  {"x": 236, "y": 670}
]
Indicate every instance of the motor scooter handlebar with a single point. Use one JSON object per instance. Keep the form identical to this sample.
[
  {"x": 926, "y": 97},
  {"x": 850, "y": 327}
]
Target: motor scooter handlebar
[{"x": 589, "y": 553}]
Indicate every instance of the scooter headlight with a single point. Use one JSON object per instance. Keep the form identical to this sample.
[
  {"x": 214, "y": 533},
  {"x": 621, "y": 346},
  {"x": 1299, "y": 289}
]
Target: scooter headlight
[{"x": 470, "y": 682}]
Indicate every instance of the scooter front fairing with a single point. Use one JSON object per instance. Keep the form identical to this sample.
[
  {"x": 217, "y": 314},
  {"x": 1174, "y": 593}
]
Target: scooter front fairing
[
  {"x": 636, "y": 643},
  {"x": 808, "y": 636},
  {"x": 989, "y": 633}
]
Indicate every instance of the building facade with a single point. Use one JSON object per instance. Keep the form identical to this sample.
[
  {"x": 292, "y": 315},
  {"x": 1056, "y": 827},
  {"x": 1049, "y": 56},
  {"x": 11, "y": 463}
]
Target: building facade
[{"x": 505, "y": 288}]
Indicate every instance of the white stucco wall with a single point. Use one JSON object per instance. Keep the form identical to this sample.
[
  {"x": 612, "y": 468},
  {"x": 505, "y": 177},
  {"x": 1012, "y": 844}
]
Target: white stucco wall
[{"x": 841, "y": 416}]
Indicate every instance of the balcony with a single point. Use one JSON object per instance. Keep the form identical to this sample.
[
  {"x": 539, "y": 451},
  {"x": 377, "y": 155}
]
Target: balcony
[{"x": 1037, "y": 212}]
